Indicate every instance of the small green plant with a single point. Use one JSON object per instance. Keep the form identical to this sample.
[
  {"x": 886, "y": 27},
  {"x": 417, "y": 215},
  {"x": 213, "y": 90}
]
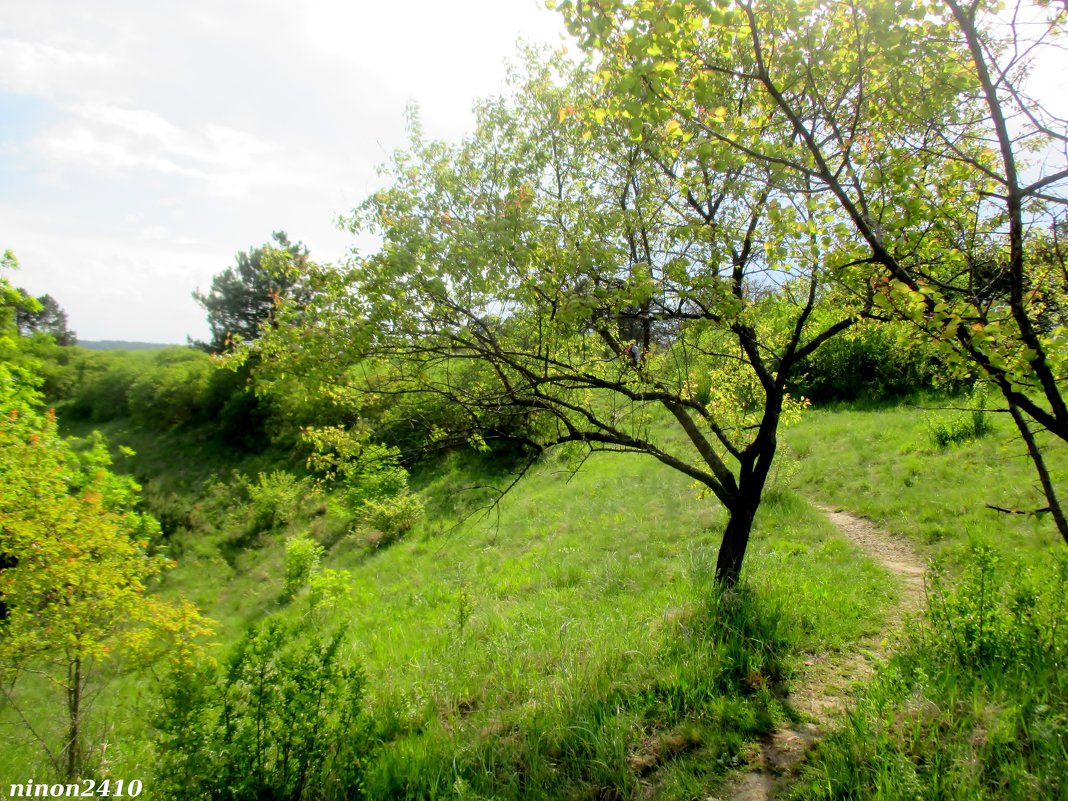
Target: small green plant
[
  {"x": 963, "y": 426},
  {"x": 976, "y": 622},
  {"x": 283, "y": 719},
  {"x": 274, "y": 498},
  {"x": 397, "y": 514},
  {"x": 392, "y": 517},
  {"x": 301, "y": 563},
  {"x": 465, "y": 607}
]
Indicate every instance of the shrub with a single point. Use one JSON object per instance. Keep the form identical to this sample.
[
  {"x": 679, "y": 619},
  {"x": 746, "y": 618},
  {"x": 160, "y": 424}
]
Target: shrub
[
  {"x": 283, "y": 720},
  {"x": 370, "y": 478},
  {"x": 301, "y": 562},
  {"x": 172, "y": 392},
  {"x": 274, "y": 499},
  {"x": 103, "y": 385},
  {"x": 326, "y": 588},
  {"x": 986, "y": 620},
  {"x": 961, "y": 427},
  {"x": 392, "y": 517}
]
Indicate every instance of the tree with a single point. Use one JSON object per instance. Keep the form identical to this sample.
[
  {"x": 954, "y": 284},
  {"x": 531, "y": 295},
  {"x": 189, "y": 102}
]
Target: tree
[
  {"x": 243, "y": 297},
  {"x": 563, "y": 282},
  {"x": 910, "y": 125},
  {"x": 48, "y": 319},
  {"x": 75, "y": 565}
]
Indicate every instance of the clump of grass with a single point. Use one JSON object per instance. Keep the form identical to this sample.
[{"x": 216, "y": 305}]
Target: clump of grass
[
  {"x": 961, "y": 427},
  {"x": 973, "y": 706}
]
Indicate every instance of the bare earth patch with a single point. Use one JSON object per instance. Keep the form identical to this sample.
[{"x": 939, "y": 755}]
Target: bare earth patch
[{"x": 822, "y": 691}]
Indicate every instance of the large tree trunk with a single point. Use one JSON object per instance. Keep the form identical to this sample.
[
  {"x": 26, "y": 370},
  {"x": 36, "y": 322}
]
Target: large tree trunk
[
  {"x": 752, "y": 476},
  {"x": 735, "y": 541}
]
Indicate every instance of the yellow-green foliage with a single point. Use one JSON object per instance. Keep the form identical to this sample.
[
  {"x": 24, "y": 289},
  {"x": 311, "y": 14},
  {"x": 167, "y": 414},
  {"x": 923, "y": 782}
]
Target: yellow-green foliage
[
  {"x": 302, "y": 561},
  {"x": 76, "y": 571}
]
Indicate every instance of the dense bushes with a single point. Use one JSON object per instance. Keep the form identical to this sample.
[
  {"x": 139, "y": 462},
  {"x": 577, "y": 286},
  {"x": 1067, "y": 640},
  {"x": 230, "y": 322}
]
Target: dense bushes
[
  {"x": 173, "y": 390},
  {"x": 283, "y": 719},
  {"x": 975, "y": 703},
  {"x": 870, "y": 361},
  {"x": 159, "y": 390},
  {"x": 102, "y": 385}
]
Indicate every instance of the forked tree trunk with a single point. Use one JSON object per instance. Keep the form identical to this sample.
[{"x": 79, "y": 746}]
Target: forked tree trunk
[{"x": 742, "y": 512}]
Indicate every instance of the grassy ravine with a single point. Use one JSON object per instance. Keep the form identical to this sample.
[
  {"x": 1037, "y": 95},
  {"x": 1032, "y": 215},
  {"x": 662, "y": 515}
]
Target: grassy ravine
[{"x": 572, "y": 646}]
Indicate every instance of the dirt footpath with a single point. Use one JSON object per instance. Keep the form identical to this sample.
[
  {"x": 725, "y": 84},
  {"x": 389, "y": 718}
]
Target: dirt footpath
[{"x": 823, "y": 689}]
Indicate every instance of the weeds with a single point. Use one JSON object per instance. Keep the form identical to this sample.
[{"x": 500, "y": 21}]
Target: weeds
[
  {"x": 283, "y": 719},
  {"x": 465, "y": 607},
  {"x": 963, "y": 426},
  {"x": 973, "y": 706}
]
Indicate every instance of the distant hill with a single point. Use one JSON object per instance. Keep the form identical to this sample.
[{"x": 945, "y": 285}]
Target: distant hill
[{"x": 121, "y": 344}]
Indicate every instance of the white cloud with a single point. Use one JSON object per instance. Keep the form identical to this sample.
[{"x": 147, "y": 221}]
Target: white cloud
[
  {"x": 161, "y": 140},
  {"x": 228, "y": 162},
  {"x": 84, "y": 147},
  {"x": 34, "y": 67}
]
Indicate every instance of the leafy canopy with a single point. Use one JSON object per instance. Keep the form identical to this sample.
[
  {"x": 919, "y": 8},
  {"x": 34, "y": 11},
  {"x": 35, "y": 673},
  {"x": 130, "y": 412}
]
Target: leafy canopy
[
  {"x": 908, "y": 126},
  {"x": 560, "y": 282}
]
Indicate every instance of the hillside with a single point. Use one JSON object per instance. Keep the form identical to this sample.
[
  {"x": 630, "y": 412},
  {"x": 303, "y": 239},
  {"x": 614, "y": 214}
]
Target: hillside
[
  {"x": 689, "y": 424},
  {"x": 569, "y": 639},
  {"x": 120, "y": 344}
]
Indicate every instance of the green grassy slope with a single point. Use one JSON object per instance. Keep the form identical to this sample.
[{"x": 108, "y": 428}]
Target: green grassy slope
[
  {"x": 569, "y": 643},
  {"x": 881, "y": 463},
  {"x": 561, "y": 644}
]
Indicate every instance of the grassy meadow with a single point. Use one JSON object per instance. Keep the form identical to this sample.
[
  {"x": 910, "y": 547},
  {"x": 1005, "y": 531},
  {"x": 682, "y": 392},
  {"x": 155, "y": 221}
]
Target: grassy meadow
[{"x": 567, "y": 640}]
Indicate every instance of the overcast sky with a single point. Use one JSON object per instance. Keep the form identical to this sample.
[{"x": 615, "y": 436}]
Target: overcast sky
[{"x": 143, "y": 144}]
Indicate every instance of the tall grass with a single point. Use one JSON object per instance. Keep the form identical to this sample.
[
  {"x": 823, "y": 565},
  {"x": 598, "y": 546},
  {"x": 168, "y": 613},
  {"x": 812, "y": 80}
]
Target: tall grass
[
  {"x": 569, "y": 645},
  {"x": 973, "y": 704},
  {"x": 880, "y": 463}
]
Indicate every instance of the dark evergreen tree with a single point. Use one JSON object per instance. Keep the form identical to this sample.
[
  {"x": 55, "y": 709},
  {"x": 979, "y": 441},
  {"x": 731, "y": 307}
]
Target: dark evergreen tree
[
  {"x": 49, "y": 319},
  {"x": 244, "y": 296}
]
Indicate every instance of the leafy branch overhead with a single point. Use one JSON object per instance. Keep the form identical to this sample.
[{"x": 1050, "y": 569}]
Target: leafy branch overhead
[
  {"x": 669, "y": 232},
  {"x": 909, "y": 127}
]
